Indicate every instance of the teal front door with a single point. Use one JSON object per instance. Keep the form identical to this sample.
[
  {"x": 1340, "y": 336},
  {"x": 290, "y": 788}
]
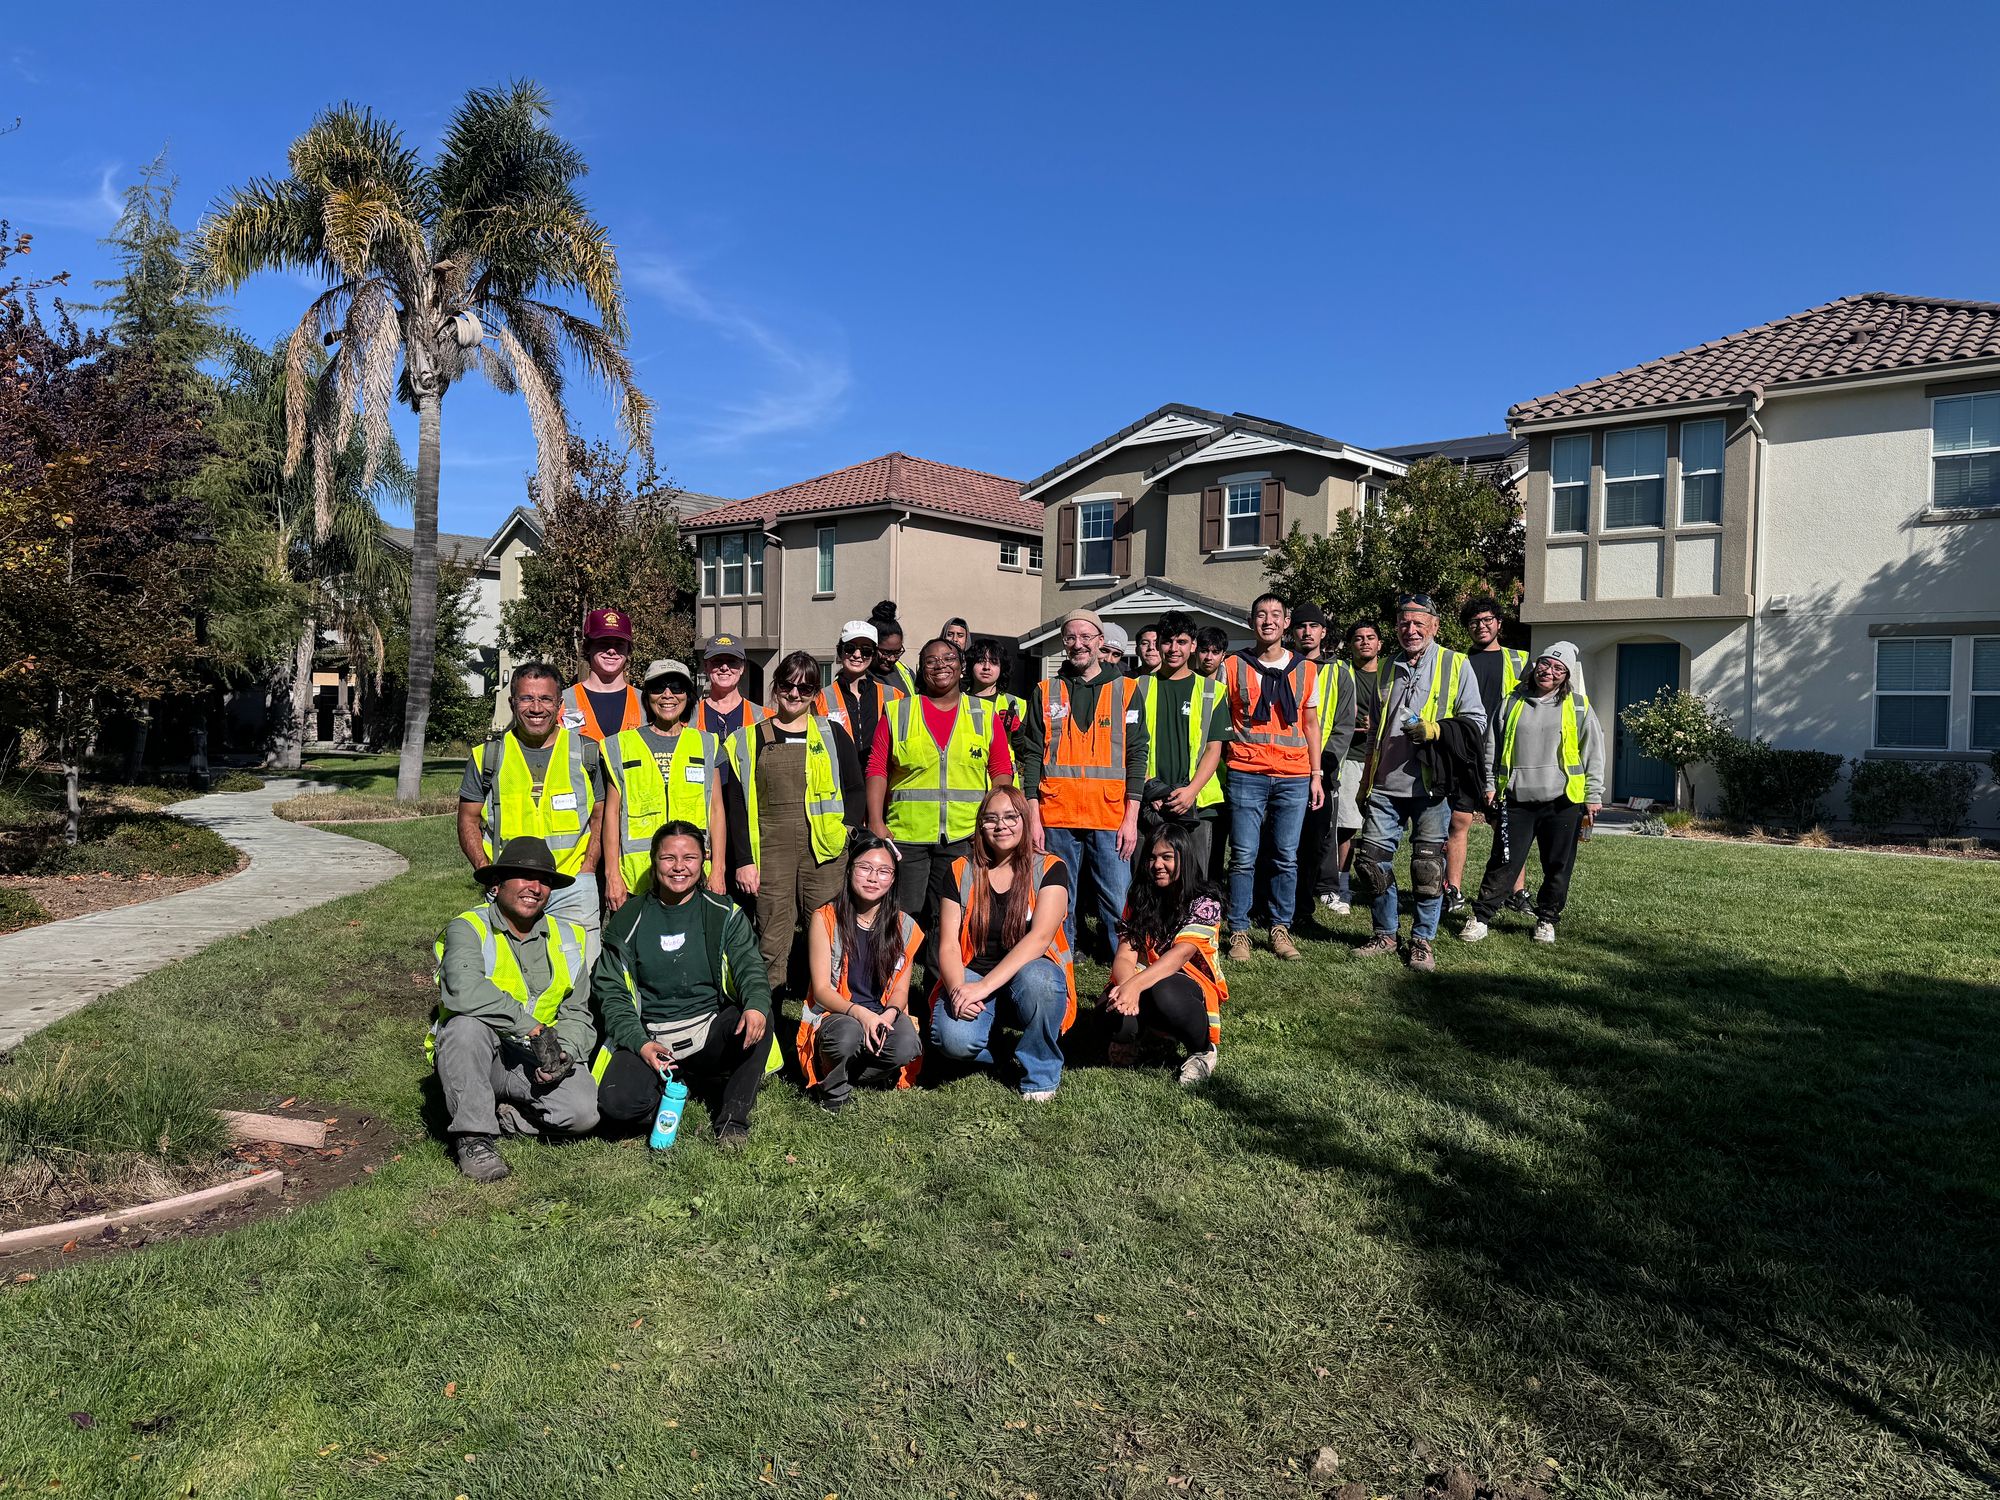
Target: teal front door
[{"x": 1643, "y": 670}]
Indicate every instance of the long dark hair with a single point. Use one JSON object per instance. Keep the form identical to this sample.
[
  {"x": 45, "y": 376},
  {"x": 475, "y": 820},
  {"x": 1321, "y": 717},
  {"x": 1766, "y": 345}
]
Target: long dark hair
[
  {"x": 1015, "y": 910},
  {"x": 1158, "y": 911},
  {"x": 888, "y": 929}
]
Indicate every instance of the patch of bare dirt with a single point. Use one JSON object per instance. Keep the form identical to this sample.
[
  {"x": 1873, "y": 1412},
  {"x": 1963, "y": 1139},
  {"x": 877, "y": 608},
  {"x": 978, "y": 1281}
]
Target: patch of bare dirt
[
  {"x": 1979, "y": 851},
  {"x": 78, "y": 895}
]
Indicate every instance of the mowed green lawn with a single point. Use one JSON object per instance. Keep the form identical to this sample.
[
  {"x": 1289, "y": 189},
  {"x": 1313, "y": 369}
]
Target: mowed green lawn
[{"x": 1701, "y": 1201}]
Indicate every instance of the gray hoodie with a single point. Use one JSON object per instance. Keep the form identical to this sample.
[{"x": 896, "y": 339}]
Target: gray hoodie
[{"x": 1538, "y": 772}]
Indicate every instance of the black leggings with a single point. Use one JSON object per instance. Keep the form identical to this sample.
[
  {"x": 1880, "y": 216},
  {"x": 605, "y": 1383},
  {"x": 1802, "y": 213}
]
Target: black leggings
[
  {"x": 724, "y": 1075},
  {"x": 1175, "y": 1006}
]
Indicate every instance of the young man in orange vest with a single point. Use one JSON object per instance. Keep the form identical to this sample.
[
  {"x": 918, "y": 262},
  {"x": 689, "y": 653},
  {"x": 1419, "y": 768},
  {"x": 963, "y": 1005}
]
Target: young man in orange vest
[
  {"x": 1082, "y": 753},
  {"x": 604, "y": 704},
  {"x": 1273, "y": 760}
]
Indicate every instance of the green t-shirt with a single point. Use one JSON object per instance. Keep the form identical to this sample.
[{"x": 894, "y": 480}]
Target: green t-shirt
[{"x": 1171, "y": 761}]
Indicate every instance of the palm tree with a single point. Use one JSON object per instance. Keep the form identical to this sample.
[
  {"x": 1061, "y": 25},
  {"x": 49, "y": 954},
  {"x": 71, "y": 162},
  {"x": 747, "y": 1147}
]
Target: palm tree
[{"x": 447, "y": 267}]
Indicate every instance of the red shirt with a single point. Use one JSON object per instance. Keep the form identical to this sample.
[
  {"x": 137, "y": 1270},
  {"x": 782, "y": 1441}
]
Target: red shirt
[{"x": 940, "y": 721}]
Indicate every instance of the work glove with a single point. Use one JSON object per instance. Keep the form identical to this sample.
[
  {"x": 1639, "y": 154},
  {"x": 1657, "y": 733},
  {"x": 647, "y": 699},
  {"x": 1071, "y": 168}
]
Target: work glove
[
  {"x": 551, "y": 1065},
  {"x": 1421, "y": 730}
]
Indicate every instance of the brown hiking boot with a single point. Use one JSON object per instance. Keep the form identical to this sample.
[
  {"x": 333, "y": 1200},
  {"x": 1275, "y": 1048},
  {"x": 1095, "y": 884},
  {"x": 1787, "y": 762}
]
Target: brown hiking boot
[
  {"x": 1377, "y": 946},
  {"x": 1421, "y": 958},
  {"x": 1282, "y": 944},
  {"x": 1239, "y": 948}
]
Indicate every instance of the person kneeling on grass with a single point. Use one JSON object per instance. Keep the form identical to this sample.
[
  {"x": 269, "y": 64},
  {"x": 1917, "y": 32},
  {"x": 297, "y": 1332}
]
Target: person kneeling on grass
[
  {"x": 1165, "y": 979},
  {"x": 856, "y": 1026},
  {"x": 1001, "y": 950},
  {"x": 681, "y": 985},
  {"x": 513, "y": 1018}
]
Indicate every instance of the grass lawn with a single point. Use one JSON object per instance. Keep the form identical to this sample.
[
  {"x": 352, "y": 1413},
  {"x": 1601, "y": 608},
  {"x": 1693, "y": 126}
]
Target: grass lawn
[
  {"x": 1704, "y": 1200},
  {"x": 375, "y": 775}
]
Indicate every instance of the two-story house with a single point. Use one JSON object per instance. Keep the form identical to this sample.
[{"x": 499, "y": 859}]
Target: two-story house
[
  {"x": 784, "y": 571},
  {"x": 1800, "y": 521},
  {"x": 1179, "y": 509}
]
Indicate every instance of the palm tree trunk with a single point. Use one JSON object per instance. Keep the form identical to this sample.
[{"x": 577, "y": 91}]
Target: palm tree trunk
[
  {"x": 291, "y": 739},
  {"x": 423, "y": 597}
]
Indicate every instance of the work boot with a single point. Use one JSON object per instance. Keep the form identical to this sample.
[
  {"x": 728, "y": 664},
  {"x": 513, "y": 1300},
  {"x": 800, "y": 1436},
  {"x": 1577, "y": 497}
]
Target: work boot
[
  {"x": 1421, "y": 958},
  {"x": 480, "y": 1160},
  {"x": 733, "y": 1136},
  {"x": 1282, "y": 944},
  {"x": 1121, "y": 1054},
  {"x": 1239, "y": 948},
  {"x": 1377, "y": 946}
]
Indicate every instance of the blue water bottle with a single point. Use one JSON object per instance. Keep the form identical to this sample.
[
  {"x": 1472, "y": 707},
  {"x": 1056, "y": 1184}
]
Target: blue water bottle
[{"x": 667, "y": 1121}]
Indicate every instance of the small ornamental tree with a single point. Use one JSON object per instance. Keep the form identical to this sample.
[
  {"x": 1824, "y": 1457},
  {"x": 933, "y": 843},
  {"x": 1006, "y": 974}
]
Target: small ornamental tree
[{"x": 1681, "y": 729}]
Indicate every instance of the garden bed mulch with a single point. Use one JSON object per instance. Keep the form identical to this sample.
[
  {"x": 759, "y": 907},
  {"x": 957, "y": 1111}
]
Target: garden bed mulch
[
  {"x": 356, "y": 1146},
  {"x": 79, "y": 895},
  {"x": 1836, "y": 844}
]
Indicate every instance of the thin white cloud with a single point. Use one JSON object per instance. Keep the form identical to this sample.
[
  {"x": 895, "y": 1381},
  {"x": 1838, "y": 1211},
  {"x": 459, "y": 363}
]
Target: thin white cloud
[
  {"x": 809, "y": 388},
  {"x": 89, "y": 210}
]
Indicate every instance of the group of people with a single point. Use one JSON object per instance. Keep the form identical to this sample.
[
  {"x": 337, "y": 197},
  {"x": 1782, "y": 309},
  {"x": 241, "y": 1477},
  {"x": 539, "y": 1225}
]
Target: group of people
[{"x": 915, "y": 855}]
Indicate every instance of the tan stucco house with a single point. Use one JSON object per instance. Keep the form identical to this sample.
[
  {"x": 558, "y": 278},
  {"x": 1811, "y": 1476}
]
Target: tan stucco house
[
  {"x": 1178, "y": 511},
  {"x": 1800, "y": 521}
]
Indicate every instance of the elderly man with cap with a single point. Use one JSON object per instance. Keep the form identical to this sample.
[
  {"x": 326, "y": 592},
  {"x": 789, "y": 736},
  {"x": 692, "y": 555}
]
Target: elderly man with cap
[
  {"x": 665, "y": 769},
  {"x": 513, "y": 1025},
  {"x": 1431, "y": 729},
  {"x": 540, "y": 779},
  {"x": 1083, "y": 770},
  {"x": 603, "y": 703}
]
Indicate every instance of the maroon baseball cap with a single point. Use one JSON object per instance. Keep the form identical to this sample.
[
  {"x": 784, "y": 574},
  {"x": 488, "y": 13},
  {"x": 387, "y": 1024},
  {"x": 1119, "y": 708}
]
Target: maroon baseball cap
[{"x": 607, "y": 625}]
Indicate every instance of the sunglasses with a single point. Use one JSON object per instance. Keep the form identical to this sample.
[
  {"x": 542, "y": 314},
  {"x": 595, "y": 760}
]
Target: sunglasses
[
  {"x": 801, "y": 688},
  {"x": 857, "y": 648}
]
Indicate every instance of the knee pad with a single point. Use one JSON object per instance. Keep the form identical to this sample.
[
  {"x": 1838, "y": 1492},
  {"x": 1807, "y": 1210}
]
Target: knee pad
[
  {"x": 1374, "y": 872},
  {"x": 1427, "y": 870}
]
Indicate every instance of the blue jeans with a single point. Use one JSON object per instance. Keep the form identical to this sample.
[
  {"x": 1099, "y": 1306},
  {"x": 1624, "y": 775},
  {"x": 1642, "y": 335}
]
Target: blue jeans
[
  {"x": 1112, "y": 876},
  {"x": 1256, "y": 799},
  {"x": 1383, "y": 816},
  {"x": 1036, "y": 999}
]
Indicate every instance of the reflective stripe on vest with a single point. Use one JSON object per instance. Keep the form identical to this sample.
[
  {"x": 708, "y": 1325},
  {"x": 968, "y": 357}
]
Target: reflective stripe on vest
[
  {"x": 1385, "y": 682},
  {"x": 1272, "y": 748},
  {"x": 1512, "y": 665},
  {"x": 1201, "y": 708},
  {"x": 503, "y": 970},
  {"x": 1329, "y": 697},
  {"x": 1572, "y": 758},
  {"x": 651, "y": 797},
  {"x": 934, "y": 793},
  {"x": 972, "y": 893},
  {"x": 826, "y": 807},
  {"x": 1083, "y": 765},
  {"x": 512, "y": 809},
  {"x": 580, "y": 714},
  {"x": 909, "y": 936}
]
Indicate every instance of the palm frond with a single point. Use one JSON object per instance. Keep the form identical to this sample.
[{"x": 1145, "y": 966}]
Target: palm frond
[
  {"x": 545, "y": 412},
  {"x": 348, "y": 146},
  {"x": 299, "y": 351},
  {"x": 497, "y": 373},
  {"x": 266, "y": 224},
  {"x": 605, "y": 362},
  {"x": 549, "y": 242},
  {"x": 376, "y": 331}
]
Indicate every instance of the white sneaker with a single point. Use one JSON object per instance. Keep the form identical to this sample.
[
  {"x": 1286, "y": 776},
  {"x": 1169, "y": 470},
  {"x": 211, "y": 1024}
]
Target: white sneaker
[
  {"x": 1545, "y": 932},
  {"x": 1199, "y": 1067},
  {"x": 1474, "y": 931},
  {"x": 1039, "y": 1096},
  {"x": 1335, "y": 905}
]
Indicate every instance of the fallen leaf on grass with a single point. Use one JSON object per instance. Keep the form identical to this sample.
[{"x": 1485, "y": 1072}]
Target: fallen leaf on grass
[
  {"x": 24, "y": 1278},
  {"x": 450, "y": 1388},
  {"x": 68, "y": 1246},
  {"x": 83, "y": 1419},
  {"x": 638, "y": 1322},
  {"x": 328, "y": 1449},
  {"x": 288, "y": 1103},
  {"x": 1100, "y": 1318}
]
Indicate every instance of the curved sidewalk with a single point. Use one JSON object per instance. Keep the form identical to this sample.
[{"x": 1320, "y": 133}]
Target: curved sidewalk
[{"x": 48, "y": 971}]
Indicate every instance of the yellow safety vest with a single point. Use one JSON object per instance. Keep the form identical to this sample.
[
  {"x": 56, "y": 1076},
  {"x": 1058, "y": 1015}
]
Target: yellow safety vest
[
  {"x": 1329, "y": 697},
  {"x": 1513, "y": 666},
  {"x": 504, "y": 972},
  {"x": 826, "y": 808},
  {"x": 1572, "y": 759},
  {"x": 934, "y": 796},
  {"x": 1207, "y": 692},
  {"x": 652, "y": 798},
  {"x": 561, "y": 815},
  {"x": 1445, "y": 671}
]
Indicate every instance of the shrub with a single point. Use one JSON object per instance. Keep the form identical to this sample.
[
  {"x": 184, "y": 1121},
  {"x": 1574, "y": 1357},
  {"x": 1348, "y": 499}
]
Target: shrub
[
  {"x": 1682, "y": 729},
  {"x": 18, "y": 909},
  {"x": 1944, "y": 798},
  {"x": 1743, "y": 769},
  {"x": 1880, "y": 793},
  {"x": 1758, "y": 779},
  {"x": 142, "y": 844},
  {"x": 1799, "y": 782},
  {"x": 1652, "y": 828},
  {"x": 1677, "y": 819},
  {"x": 85, "y": 1122},
  {"x": 237, "y": 781}
]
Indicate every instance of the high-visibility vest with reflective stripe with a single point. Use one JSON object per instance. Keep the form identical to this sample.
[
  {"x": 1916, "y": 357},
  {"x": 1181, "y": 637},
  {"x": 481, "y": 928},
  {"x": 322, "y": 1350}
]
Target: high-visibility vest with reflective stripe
[
  {"x": 1271, "y": 748},
  {"x": 908, "y": 935},
  {"x": 1330, "y": 675},
  {"x": 1202, "y": 698},
  {"x": 725, "y": 981},
  {"x": 826, "y": 807},
  {"x": 974, "y": 894},
  {"x": 933, "y": 794},
  {"x": 706, "y": 720},
  {"x": 1513, "y": 667},
  {"x": 580, "y": 714},
  {"x": 831, "y": 703},
  {"x": 1440, "y": 702},
  {"x": 650, "y": 797},
  {"x": 1083, "y": 765},
  {"x": 503, "y": 970},
  {"x": 1010, "y": 711},
  {"x": 512, "y": 810},
  {"x": 1205, "y": 968},
  {"x": 1572, "y": 758}
]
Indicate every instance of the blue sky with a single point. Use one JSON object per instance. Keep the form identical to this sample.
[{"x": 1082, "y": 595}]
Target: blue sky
[{"x": 992, "y": 234}]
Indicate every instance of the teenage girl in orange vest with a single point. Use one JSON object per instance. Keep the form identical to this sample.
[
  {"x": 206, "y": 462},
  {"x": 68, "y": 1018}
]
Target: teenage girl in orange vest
[
  {"x": 856, "y": 1026},
  {"x": 1167, "y": 976}
]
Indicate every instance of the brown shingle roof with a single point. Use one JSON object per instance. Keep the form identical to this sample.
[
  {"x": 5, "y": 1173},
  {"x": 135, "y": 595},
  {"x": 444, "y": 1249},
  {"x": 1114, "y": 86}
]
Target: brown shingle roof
[
  {"x": 1867, "y": 334},
  {"x": 892, "y": 479}
]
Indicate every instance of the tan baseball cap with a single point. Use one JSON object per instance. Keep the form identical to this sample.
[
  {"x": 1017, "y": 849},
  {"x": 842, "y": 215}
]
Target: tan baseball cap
[{"x": 666, "y": 667}]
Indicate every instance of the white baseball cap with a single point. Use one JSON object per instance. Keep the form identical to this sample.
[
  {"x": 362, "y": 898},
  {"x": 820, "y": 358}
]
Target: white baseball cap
[
  {"x": 1116, "y": 638},
  {"x": 859, "y": 630}
]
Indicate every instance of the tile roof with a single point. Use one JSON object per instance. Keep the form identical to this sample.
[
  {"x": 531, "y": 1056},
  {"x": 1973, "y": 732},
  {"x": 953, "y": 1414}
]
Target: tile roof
[
  {"x": 1488, "y": 447},
  {"x": 892, "y": 479},
  {"x": 1868, "y": 334}
]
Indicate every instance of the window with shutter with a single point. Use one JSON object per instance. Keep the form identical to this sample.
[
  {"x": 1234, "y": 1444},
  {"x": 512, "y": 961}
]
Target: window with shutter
[
  {"x": 1066, "y": 542},
  {"x": 1094, "y": 545},
  {"x": 1211, "y": 518},
  {"x": 1271, "y": 530},
  {"x": 1121, "y": 538}
]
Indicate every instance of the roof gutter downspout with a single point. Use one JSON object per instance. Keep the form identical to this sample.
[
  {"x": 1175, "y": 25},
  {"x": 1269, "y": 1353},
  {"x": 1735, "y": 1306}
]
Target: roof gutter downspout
[
  {"x": 1756, "y": 561},
  {"x": 896, "y": 555}
]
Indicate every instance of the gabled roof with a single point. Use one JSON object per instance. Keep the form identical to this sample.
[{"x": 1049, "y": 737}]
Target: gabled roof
[
  {"x": 1245, "y": 436},
  {"x": 1163, "y": 424},
  {"x": 1488, "y": 447},
  {"x": 1869, "y": 334},
  {"x": 687, "y": 504},
  {"x": 1165, "y": 591},
  {"x": 453, "y": 546},
  {"x": 894, "y": 479}
]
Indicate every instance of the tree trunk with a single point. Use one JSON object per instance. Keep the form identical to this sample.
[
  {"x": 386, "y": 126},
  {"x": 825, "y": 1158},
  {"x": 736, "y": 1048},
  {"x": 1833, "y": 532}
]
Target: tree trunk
[
  {"x": 423, "y": 597},
  {"x": 289, "y": 749},
  {"x": 72, "y": 808},
  {"x": 135, "y": 756}
]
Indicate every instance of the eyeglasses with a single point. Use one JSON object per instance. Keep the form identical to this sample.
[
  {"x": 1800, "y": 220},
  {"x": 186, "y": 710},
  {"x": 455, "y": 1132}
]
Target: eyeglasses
[
  {"x": 889, "y": 653},
  {"x": 857, "y": 648},
  {"x": 1080, "y": 640},
  {"x": 876, "y": 870},
  {"x": 1000, "y": 820}
]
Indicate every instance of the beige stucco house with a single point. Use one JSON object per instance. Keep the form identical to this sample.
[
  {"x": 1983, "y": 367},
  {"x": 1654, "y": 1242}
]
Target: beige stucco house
[{"x": 1800, "y": 521}]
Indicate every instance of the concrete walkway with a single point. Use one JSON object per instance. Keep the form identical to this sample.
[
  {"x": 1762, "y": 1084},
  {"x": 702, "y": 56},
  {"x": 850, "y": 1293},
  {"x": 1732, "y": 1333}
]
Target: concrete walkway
[{"x": 48, "y": 971}]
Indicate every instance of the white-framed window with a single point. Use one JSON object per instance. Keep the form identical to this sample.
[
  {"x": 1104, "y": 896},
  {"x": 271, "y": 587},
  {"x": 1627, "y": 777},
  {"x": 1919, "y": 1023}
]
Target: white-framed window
[
  {"x": 1034, "y": 557},
  {"x": 709, "y": 551},
  {"x": 823, "y": 579},
  {"x": 1093, "y": 539},
  {"x": 1010, "y": 554},
  {"x": 732, "y": 566},
  {"x": 756, "y": 551},
  {"x": 1985, "y": 693},
  {"x": 1913, "y": 693},
  {"x": 1701, "y": 472},
  {"x": 1569, "y": 474},
  {"x": 1242, "y": 512},
  {"x": 1965, "y": 451},
  {"x": 1635, "y": 477},
  {"x": 827, "y": 670}
]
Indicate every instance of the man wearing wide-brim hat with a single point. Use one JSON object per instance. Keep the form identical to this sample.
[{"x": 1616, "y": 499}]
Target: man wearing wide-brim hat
[{"x": 513, "y": 1020}]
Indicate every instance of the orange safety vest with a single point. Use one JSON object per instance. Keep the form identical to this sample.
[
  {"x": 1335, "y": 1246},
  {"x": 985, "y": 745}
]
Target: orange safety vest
[
  {"x": 1083, "y": 765},
  {"x": 580, "y": 714},
  {"x": 1205, "y": 968},
  {"x": 831, "y": 703},
  {"x": 811, "y": 1015},
  {"x": 1272, "y": 748},
  {"x": 708, "y": 723},
  {"x": 973, "y": 895}
]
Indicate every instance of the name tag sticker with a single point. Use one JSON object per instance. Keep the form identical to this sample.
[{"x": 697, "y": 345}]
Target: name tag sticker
[
  {"x": 672, "y": 942},
  {"x": 564, "y": 802},
  {"x": 1058, "y": 711},
  {"x": 573, "y": 719},
  {"x": 1131, "y": 716},
  {"x": 695, "y": 774}
]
